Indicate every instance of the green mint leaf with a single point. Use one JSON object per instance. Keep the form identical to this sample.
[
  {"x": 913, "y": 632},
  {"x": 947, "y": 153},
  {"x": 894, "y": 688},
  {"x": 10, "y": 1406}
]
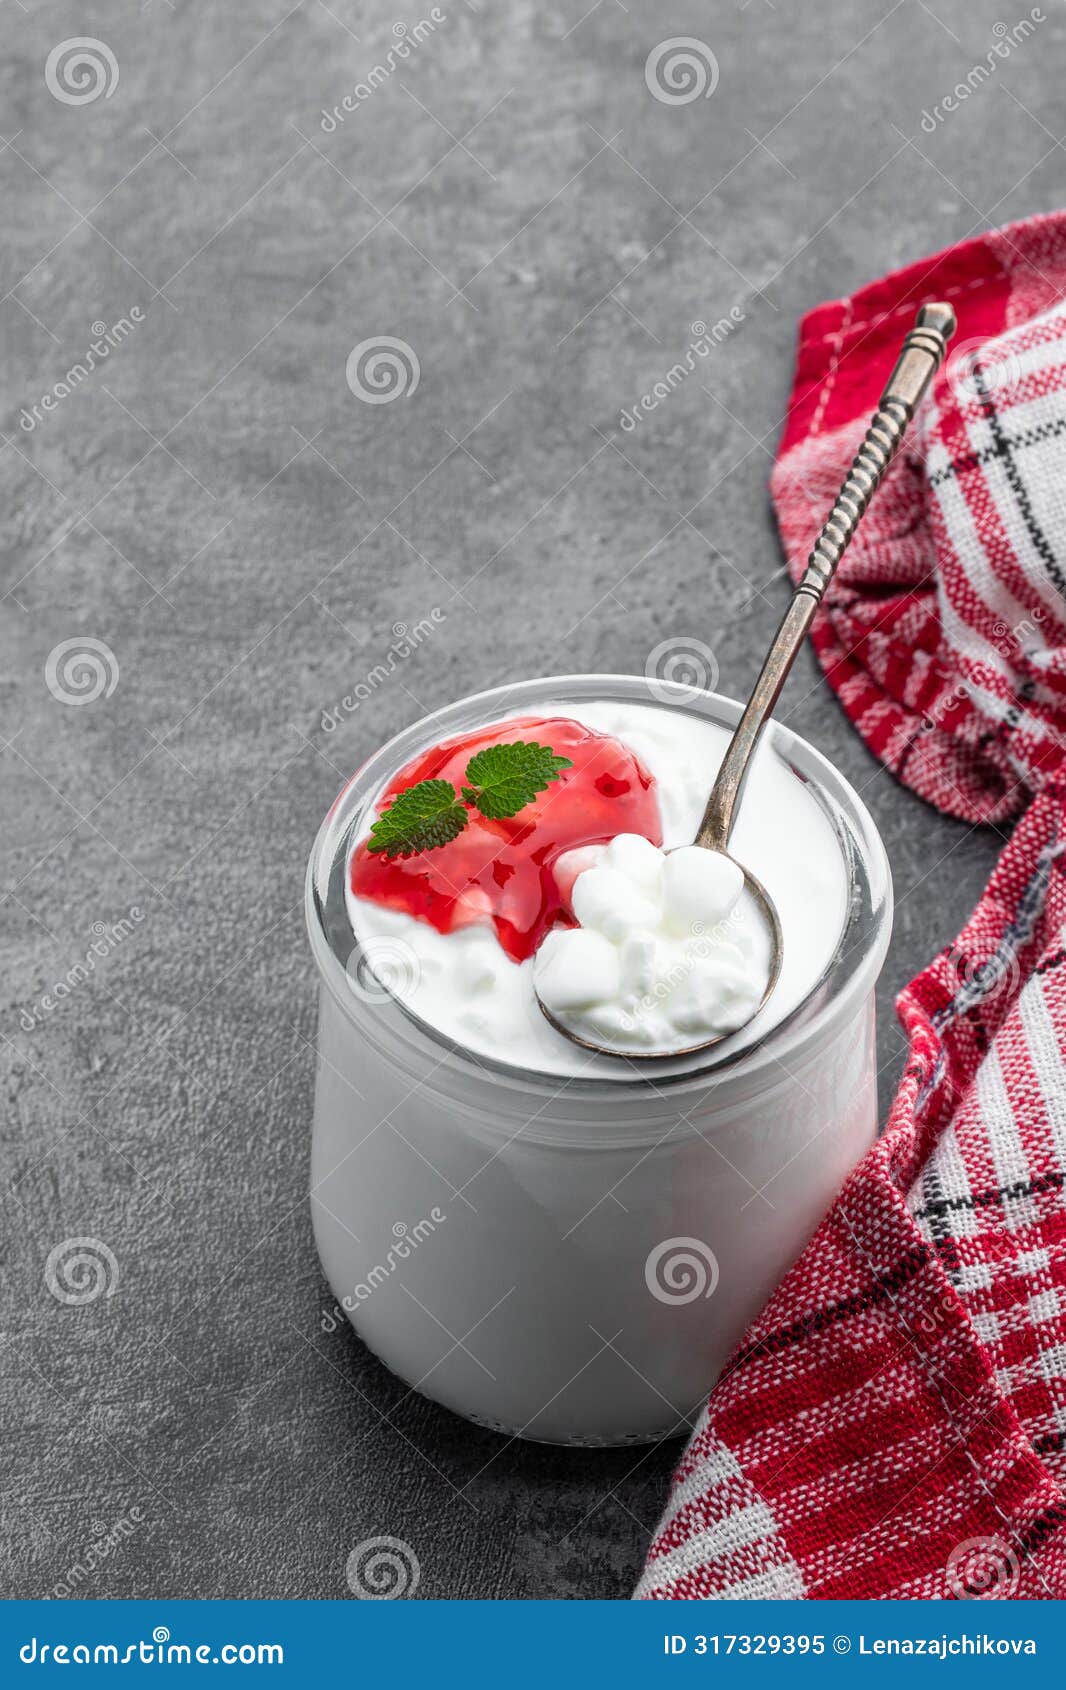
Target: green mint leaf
[
  {"x": 420, "y": 819},
  {"x": 504, "y": 778}
]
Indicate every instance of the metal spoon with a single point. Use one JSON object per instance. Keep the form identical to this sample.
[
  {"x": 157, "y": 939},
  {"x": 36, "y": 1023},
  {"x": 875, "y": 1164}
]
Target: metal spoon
[{"x": 920, "y": 356}]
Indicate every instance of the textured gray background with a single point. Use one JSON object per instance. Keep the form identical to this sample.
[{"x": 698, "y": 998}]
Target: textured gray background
[{"x": 243, "y": 533}]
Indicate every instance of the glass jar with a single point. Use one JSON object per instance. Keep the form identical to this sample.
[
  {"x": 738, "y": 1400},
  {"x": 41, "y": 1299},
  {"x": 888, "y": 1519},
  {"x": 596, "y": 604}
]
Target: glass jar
[{"x": 572, "y": 1259}]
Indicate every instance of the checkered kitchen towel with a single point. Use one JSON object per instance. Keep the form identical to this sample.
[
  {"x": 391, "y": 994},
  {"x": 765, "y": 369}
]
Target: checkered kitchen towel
[{"x": 894, "y": 1424}]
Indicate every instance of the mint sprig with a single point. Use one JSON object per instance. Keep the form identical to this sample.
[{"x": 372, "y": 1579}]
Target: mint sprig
[
  {"x": 420, "y": 819},
  {"x": 504, "y": 778},
  {"x": 500, "y": 781}
]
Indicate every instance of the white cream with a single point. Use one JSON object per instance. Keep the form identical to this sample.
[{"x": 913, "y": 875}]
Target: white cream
[
  {"x": 464, "y": 985},
  {"x": 670, "y": 949}
]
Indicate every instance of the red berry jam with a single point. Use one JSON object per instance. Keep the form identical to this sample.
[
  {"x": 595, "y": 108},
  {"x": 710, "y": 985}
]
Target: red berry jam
[{"x": 503, "y": 871}]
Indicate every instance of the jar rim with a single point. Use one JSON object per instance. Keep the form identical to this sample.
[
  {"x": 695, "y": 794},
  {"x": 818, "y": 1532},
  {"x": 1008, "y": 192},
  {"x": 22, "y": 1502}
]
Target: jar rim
[{"x": 847, "y": 978}]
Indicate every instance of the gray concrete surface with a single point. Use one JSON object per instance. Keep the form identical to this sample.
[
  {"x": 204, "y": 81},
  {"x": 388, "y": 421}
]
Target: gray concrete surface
[{"x": 242, "y": 532}]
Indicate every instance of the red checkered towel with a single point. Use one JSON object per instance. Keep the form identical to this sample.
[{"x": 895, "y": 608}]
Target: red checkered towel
[{"x": 894, "y": 1424}]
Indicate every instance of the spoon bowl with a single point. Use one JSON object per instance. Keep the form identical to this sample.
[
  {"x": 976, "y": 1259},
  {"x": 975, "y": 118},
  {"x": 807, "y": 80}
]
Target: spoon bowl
[
  {"x": 772, "y": 923},
  {"x": 922, "y": 353}
]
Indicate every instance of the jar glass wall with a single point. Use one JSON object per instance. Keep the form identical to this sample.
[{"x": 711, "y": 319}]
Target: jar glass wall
[{"x": 572, "y": 1259}]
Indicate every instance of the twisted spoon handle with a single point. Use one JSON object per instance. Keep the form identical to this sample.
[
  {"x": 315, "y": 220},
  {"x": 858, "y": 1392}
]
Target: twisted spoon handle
[{"x": 920, "y": 357}]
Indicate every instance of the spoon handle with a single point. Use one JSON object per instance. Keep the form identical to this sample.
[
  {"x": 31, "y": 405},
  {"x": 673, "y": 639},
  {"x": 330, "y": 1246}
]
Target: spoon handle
[{"x": 920, "y": 357}]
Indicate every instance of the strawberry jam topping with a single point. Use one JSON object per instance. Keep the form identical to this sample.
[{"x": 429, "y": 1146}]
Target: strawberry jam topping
[{"x": 503, "y": 871}]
